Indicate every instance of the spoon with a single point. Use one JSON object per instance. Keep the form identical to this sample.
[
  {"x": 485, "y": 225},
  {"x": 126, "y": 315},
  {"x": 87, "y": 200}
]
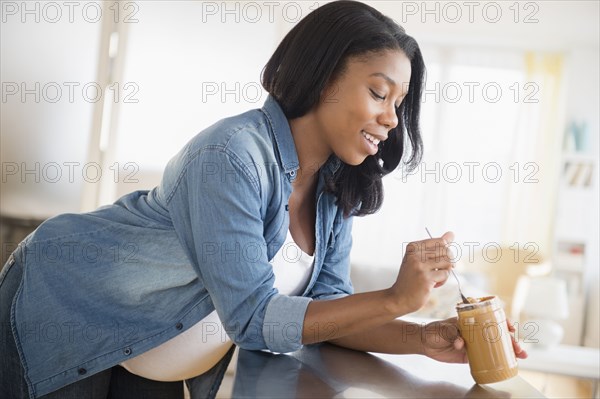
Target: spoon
[{"x": 464, "y": 298}]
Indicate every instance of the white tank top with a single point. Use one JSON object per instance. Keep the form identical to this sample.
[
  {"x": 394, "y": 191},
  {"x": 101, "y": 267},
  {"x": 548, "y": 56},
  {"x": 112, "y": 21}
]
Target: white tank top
[{"x": 199, "y": 348}]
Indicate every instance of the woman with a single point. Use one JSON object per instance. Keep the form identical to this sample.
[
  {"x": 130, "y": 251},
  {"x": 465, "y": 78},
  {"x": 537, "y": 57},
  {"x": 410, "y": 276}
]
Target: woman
[{"x": 158, "y": 287}]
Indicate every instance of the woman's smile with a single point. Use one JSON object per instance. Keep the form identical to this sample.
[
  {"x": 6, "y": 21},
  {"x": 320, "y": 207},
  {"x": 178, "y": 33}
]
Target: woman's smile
[{"x": 371, "y": 143}]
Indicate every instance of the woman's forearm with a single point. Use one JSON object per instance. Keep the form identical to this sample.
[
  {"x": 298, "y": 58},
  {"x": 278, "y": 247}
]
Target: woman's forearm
[
  {"x": 397, "y": 337},
  {"x": 335, "y": 319}
]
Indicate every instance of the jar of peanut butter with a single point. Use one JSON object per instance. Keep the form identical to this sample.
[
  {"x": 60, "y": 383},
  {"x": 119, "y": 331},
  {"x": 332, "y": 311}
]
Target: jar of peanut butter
[{"x": 482, "y": 324}]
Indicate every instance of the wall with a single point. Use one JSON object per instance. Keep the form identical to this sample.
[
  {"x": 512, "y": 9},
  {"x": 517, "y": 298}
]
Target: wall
[{"x": 44, "y": 127}]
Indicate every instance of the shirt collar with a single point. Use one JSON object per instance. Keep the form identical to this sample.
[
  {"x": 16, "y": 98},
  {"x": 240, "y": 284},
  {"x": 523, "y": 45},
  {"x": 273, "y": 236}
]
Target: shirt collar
[{"x": 286, "y": 149}]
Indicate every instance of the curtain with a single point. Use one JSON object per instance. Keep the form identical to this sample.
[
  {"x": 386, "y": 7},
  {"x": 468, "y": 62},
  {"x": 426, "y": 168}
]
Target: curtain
[{"x": 532, "y": 196}]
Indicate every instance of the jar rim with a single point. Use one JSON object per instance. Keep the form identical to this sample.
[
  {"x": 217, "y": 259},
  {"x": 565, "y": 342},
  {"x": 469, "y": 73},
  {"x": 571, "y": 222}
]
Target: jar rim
[{"x": 482, "y": 302}]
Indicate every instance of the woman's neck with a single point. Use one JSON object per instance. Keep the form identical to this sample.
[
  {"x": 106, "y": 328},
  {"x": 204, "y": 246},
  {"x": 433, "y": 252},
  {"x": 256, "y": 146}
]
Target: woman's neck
[{"x": 312, "y": 149}]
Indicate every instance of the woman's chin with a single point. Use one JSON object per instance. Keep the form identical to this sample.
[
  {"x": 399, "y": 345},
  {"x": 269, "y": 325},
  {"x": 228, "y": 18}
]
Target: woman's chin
[{"x": 352, "y": 159}]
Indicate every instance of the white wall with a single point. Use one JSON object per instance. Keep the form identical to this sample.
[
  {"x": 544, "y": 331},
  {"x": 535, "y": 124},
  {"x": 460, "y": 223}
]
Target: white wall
[
  {"x": 194, "y": 69},
  {"x": 548, "y": 25},
  {"x": 47, "y": 133}
]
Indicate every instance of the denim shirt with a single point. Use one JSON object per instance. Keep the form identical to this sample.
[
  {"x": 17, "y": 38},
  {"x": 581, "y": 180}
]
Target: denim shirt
[{"x": 101, "y": 287}]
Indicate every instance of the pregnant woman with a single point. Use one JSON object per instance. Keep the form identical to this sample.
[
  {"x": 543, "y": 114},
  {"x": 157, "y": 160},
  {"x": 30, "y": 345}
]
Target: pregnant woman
[{"x": 245, "y": 241}]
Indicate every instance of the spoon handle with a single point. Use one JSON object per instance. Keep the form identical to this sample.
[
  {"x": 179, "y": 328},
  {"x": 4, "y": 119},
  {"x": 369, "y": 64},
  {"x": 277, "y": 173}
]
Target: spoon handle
[{"x": 464, "y": 299}]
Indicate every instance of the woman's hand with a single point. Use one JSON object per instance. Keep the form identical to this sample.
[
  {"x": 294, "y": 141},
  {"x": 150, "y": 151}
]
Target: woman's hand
[
  {"x": 441, "y": 341},
  {"x": 426, "y": 265}
]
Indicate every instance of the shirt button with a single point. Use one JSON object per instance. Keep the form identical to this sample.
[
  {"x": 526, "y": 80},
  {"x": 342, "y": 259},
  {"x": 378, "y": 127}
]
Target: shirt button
[
  {"x": 293, "y": 173},
  {"x": 82, "y": 371},
  {"x": 127, "y": 351},
  {"x": 179, "y": 326}
]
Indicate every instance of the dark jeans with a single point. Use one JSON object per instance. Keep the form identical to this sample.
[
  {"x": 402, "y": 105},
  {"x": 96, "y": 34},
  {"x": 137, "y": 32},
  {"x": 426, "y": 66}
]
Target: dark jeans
[{"x": 113, "y": 383}]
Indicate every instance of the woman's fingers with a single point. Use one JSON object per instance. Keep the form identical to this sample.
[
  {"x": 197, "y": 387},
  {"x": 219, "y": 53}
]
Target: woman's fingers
[
  {"x": 439, "y": 276},
  {"x": 459, "y": 343},
  {"x": 434, "y": 243},
  {"x": 448, "y": 237},
  {"x": 433, "y": 256},
  {"x": 519, "y": 352},
  {"x": 511, "y": 326},
  {"x": 431, "y": 250},
  {"x": 426, "y": 264}
]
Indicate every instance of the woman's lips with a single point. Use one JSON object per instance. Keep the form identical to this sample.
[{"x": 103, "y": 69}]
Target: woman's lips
[{"x": 370, "y": 142}]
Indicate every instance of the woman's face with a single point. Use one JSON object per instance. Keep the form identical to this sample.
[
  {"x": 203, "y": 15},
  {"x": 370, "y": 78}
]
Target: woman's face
[{"x": 358, "y": 109}]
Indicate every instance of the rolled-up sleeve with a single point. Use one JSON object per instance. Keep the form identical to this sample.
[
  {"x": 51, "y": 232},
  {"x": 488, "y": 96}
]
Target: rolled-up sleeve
[
  {"x": 216, "y": 210},
  {"x": 283, "y": 323}
]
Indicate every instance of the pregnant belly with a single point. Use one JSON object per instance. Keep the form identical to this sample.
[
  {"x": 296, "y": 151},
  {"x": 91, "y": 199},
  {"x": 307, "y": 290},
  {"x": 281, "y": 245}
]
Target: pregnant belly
[{"x": 189, "y": 354}]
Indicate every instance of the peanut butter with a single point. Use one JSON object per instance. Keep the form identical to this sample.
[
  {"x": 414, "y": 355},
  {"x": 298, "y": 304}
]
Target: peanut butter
[{"x": 482, "y": 324}]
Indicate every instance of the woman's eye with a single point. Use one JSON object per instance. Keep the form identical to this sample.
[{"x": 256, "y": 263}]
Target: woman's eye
[{"x": 377, "y": 95}]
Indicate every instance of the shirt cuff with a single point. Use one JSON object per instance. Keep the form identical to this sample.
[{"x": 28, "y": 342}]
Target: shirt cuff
[
  {"x": 332, "y": 296},
  {"x": 283, "y": 323}
]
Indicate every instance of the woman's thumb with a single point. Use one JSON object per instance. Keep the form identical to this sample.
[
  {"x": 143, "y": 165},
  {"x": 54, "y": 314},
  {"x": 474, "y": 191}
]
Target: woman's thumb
[{"x": 448, "y": 237}]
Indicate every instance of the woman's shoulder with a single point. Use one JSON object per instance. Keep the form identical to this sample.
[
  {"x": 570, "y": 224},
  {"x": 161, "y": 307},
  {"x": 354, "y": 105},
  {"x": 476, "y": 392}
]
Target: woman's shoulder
[
  {"x": 244, "y": 141},
  {"x": 245, "y": 136}
]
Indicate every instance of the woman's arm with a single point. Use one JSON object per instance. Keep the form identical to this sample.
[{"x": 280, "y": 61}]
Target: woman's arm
[
  {"x": 368, "y": 321},
  {"x": 396, "y": 337},
  {"x": 424, "y": 267},
  {"x": 439, "y": 340},
  {"x": 338, "y": 318}
]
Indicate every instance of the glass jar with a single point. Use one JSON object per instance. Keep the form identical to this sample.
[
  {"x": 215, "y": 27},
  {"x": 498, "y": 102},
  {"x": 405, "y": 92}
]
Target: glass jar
[{"x": 483, "y": 326}]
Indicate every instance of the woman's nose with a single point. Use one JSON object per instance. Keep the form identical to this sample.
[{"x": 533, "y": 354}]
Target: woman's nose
[{"x": 388, "y": 117}]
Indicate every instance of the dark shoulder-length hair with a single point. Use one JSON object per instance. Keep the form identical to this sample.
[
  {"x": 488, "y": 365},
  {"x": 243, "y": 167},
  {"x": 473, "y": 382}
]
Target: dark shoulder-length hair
[{"x": 315, "y": 52}]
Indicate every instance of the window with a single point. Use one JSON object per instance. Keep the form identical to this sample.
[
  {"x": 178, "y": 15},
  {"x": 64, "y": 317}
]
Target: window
[{"x": 470, "y": 119}]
